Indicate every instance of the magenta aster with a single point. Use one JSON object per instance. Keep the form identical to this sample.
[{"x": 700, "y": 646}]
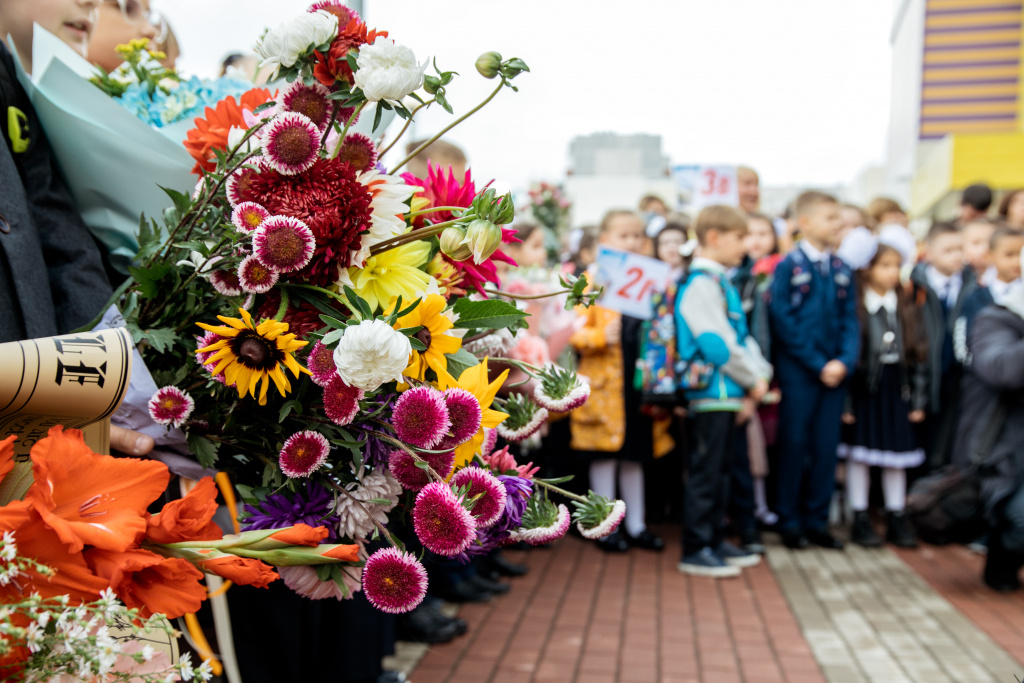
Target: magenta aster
[
  {"x": 420, "y": 417},
  {"x": 254, "y": 277},
  {"x": 320, "y": 363},
  {"x": 394, "y": 581},
  {"x": 441, "y": 522},
  {"x": 170, "y": 406},
  {"x": 465, "y": 415},
  {"x": 309, "y": 100},
  {"x": 225, "y": 283},
  {"x": 303, "y": 454},
  {"x": 338, "y": 9},
  {"x": 489, "y": 493},
  {"x": 490, "y": 442},
  {"x": 524, "y": 418},
  {"x": 358, "y": 151},
  {"x": 555, "y": 523},
  {"x": 291, "y": 143},
  {"x": 247, "y": 216},
  {"x": 560, "y": 389},
  {"x": 404, "y": 470},
  {"x": 283, "y": 244},
  {"x": 341, "y": 402}
]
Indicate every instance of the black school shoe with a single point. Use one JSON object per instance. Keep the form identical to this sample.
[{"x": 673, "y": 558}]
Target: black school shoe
[
  {"x": 485, "y": 584},
  {"x": 862, "y": 532},
  {"x": 496, "y": 562},
  {"x": 793, "y": 539},
  {"x": 823, "y": 539},
  {"x": 898, "y": 530},
  {"x": 461, "y": 591},
  {"x": 614, "y": 542},
  {"x": 426, "y": 624},
  {"x": 646, "y": 540}
]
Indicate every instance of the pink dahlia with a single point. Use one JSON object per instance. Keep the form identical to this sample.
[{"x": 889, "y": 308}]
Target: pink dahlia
[
  {"x": 607, "y": 525},
  {"x": 303, "y": 454},
  {"x": 225, "y": 282},
  {"x": 291, "y": 143},
  {"x": 394, "y": 581},
  {"x": 404, "y": 469},
  {"x": 283, "y": 244},
  {"x": 320, "y": 363},
  {"x": 489, "y": 493},
  {"x": 441, "y": 522},
  {"x": 337, "y": 8},
  {"x": 341, "y": 402},
  {"x": 420, "y": 417},
  {"x": 309, "y": 100},
  {"x": 248, "y": 216},
  {"x": 357, "y": 150},
  {"x": 556, "y": 526},
  {"x": 254, "y": 277},
  {"x": 502, "y": 462},
  {"x": 170, "y": 406},
  {"x": 465, "y": 415}
]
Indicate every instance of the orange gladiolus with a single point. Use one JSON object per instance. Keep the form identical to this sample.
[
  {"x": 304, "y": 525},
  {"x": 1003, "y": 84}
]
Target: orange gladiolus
[
  {"x": 301, "y": 534},
  {"x": 344, "y": 553},
  {"x": 6, "y": 456},
  {"x": 92, "y": 499},
  {"x": 150, "y": 582},
  {"x": 245, "y": 571},
  {"x": 187, "y": 519},
  {"x": 212, "y": 132}
]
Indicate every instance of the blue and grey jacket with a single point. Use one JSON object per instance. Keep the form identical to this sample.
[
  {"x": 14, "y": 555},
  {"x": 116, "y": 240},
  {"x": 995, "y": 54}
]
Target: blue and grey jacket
[{"x": 711, "y": 326}]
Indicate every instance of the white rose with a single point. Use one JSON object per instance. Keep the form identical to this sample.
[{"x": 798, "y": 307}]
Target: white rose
[
  {"x": 282, "y": 46},
  {"x": 387, "y": 71},
  {"x": 370, "y": 354}
]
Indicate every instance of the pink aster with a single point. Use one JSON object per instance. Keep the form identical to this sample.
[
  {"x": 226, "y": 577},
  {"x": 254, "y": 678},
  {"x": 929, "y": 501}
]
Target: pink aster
[
  {"x": 341, "y": 402},
  {"x": 225, "y": 282},
  {"x": 283, "y": 244},
  {"x": 394, "y": 581},
  {"x": 404, "y": 470},
  {"x": 465, "y": 415},
  {"x": 291, "y": 143},
  {"x": 545, "y": 534},
  {"x": 309, "y": 100},
  {"x": 490, "y": 441},
  {"x": 489, "y": 493},
  {"x": 320, "y": 363},
  {"x": 420, "y": 417},
  {"x": 254, "y": 277},
  {"x": 238, "y": 183},
  {"x": 337, "y": 8},
  {"x": 521, "y": 432},
  {"x": 247, "y": 216},
  {"x": 170, "y": 406},
  {"x": 358, "y": 150},
  {"x": 303, "y": 454},
  {"x": 441, "y": 522}
]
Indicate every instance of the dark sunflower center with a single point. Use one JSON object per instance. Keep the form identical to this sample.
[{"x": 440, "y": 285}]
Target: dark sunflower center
[
  {"x": 424, "y": 336},
  {"x": 293, "y": 145},
  {"x": 255, "y": 352}
]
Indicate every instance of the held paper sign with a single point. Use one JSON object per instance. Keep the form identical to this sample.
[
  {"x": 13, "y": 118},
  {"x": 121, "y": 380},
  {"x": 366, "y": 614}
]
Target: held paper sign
[
  {"x": 701, "y": 186},
  {"x": 628, "y": 281}
]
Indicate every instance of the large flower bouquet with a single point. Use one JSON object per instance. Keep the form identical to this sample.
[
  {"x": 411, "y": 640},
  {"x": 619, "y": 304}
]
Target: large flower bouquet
[{"x": 309, "y": 312}]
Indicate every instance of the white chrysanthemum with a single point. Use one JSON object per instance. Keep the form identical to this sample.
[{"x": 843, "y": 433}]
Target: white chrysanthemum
[
  {"x": 607, "y": 525},
  {"x": 282, "y": 46},
  {"x": 387, "y": 207},
  {"x": 353, "y": 521},
  {"x": 370, "y": 354},
  {"x": 497, "y": 344},
  {"x": 387, "y": 71}
]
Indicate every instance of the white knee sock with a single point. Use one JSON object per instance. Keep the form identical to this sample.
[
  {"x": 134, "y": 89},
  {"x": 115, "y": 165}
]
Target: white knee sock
[
  {"x": 602, "y": 477},
  {"x": 858, "y": 482},
  {"x": 894, "y": 488},
  {"x": 631, "y": 484}
]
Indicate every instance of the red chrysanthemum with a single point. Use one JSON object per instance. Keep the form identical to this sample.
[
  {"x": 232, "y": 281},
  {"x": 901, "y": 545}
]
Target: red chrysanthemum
[
  {"x": 333, "y": 66},
  {"x": 420, "y": 417},
  {"x": 211, "y": 132},
  {"x": 441, "y": 522},
  {"x": 404, "y": 470},
  {"x": 394, "y": 581},
  {"x": 309, "y": 100},
  {"x": 303, "y": 318},
  {"x": 328, "y": 199},
  {"x": 341, "y": 402}
]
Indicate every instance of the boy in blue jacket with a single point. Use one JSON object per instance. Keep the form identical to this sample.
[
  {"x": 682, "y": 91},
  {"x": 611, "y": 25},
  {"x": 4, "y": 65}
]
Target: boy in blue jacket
[
  {"x": 816, "y": 335},
  {"x": 712, "y": 329}
]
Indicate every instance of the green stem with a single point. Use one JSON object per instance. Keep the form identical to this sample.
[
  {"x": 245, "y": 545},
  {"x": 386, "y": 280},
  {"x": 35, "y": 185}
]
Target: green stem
[
  {"x": 413, "y": 236},
  {"x": 523, "y": 297},
  {"x": 435, "y": 209},
  {"x": 408, "y": 121},
  {"x": 444, "y": 130},
  {"x": 344, "y": 131},
  {"x": 395, "y": 442},
  {"x": 337, "y": 296},
  {"x": 283, "y": 308},
  {"x": 556, "y": 489}
]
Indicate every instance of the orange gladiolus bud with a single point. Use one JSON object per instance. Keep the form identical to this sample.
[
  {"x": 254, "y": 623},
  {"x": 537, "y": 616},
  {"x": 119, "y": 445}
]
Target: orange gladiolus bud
[
  {"x": 188, "y": 519},
  {"x": 244, "y": 571},
  {"x": 301, "y": 534},
  {"x": 150, "y": 582},
  {"x": 343, "y": 553}
]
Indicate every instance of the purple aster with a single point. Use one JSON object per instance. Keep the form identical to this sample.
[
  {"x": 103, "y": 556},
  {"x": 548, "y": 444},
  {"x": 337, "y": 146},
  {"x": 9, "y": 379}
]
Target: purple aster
[
  {"x": 518, "y": 491},
  {"x": 279, "y": 510}
]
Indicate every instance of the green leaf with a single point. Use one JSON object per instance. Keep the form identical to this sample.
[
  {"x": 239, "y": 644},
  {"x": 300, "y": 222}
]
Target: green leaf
[
  {"x": 323, "y": 571},
  {"x": 333, "y": 323},
  {"x": 486, "y": 314},
  {"x": 204, "y": 450},
  {"x": 376, "y": 117},
  {"x": 149, "y": 278},
  {"x": 459, "y": 361},
  {"x": 244, "y": 492},
  {"x": 182, "y": 202},
  {"x": 289, "y": 407},
  {"x": 161, "y": 339}
]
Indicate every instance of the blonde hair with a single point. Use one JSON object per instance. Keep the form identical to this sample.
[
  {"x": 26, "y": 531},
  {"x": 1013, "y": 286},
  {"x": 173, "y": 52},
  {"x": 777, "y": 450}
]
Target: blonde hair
[
  {"x": 809, "y": 199},
  {"x": 880, "y": 206},
  {"x": 720, "y": 218},
  {"x": 606, "y": 222}
]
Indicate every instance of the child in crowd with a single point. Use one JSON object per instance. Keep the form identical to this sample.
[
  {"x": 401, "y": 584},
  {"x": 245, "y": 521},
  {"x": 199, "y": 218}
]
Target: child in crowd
[
  {"x": 667, "y": 245},
  {"x": 609, "y": 428},
  {"x": 942, "y": 285},
  {"x": 1005, "y": 248},
  {"x": 712, "y": 329},
  {"x": 977, "y": 234},
  {"x": 974, "y": 203},
  {"x": 889, "y": 391},
  {"x": 883, "y": 211},
  {"x": 584, "y": 252},
  {"x": 1011, "y": 209},
  {"x": 119, "y": 23},
  {"x": 816, "y": 340}
]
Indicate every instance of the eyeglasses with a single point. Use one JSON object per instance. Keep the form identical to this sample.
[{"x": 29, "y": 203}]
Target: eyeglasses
[{"x": 134, "y": 13}]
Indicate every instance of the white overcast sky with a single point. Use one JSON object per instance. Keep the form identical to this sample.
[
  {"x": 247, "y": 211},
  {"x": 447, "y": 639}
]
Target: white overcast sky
[{"x": 799, "y": 89}]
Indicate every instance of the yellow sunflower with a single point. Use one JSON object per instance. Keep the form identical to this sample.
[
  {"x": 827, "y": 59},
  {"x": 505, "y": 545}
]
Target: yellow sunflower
[
  {"x": 249, "y": 353},
  {"x": 474, "y": 380},
  {"x": 428, "y": 314}
]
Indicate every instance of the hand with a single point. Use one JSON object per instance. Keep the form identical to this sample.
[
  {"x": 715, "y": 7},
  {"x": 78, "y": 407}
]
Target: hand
[
  {"x": 746, "y": 411},
  {"x": 613, "y": 332},
  {"x": 772, "y": 397},
  {"x": 758, "y": 391},
  {"x": 680, "y": 411},
  {"x": 849, "y": 419},
  {"x": 833, "y": 374},
  {"x": 130, "y": 442},
  {"x": 917, "y": 416}
]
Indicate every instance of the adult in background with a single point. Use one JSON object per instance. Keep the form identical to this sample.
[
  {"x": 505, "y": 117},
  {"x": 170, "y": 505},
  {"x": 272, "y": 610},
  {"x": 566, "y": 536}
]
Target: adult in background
[
  {"x": 748, "y": 187},
  {"x": 1011, "y": 209}
]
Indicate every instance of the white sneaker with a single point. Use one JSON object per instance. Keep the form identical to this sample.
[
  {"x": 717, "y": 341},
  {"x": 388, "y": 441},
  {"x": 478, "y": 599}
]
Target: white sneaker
[{"x": 707, "y": 563}]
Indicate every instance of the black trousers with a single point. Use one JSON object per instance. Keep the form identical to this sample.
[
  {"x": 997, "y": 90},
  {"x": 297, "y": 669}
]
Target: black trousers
[
  {"x": 707, "y": 480},
  {"x": 741, "y": 486}
]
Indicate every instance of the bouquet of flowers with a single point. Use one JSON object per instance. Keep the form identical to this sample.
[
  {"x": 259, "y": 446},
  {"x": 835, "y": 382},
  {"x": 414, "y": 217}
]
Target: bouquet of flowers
[
  {"x": 550, "y": 207},
  {"x": 306, "y": 315}
]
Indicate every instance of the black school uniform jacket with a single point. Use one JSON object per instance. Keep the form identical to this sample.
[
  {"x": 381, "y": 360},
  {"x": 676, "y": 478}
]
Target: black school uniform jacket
[{"x": 51, "y": 271}]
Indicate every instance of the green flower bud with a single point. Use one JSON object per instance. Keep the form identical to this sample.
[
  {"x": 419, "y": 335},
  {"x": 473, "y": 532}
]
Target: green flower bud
[
  {"x": 488, "y": 64},
  {"x": 506, "y": 210},
  {"x": 453, "y": 243},
  {"x": 483, "y": 238},
  {"x": 513, "y": 68}
]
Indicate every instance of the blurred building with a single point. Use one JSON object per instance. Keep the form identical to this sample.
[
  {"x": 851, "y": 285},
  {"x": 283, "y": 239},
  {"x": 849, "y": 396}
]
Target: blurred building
[{"x": 957, "y": 113}]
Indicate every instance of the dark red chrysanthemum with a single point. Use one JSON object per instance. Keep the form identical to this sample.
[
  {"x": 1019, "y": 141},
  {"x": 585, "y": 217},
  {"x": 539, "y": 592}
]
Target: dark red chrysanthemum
[
  {"x": 328, "y": 199},
  {"x": 302, "y": 318}
]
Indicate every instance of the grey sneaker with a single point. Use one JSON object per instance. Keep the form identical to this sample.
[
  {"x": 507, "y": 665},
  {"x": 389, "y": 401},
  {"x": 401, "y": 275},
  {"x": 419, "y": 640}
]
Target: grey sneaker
[
  {"x": 707, "y": 563},
  {"x": 737, "y": 557}
]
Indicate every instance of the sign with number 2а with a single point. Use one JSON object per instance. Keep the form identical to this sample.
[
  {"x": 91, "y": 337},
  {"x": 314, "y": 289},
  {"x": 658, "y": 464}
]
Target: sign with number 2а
[
  {"x": 628, "y": 281},
  {"x": 715, "y": 185}
]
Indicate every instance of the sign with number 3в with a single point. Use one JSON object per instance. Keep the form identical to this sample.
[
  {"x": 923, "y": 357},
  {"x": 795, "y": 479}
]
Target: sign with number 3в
[
  {"x": 628, "y": 280},
  {"x": 715, "y": 185}
]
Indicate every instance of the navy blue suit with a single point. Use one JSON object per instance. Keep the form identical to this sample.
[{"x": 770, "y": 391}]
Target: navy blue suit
[{"x": 813, "y": 320}]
